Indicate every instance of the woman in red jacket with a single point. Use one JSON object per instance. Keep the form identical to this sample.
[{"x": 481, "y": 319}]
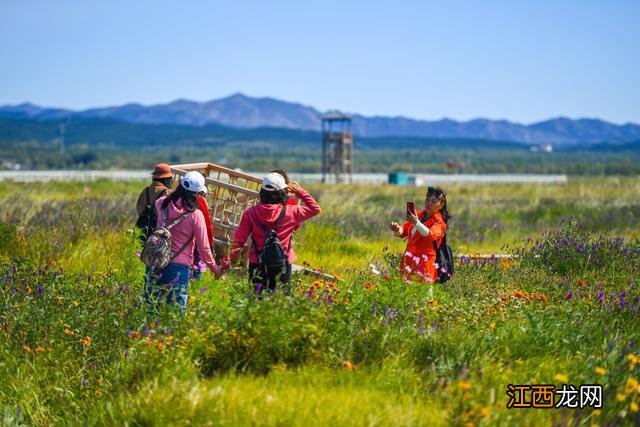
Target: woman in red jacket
[
  {"x": 424, "y": 231},
  {"x": 272, "y": 213}
]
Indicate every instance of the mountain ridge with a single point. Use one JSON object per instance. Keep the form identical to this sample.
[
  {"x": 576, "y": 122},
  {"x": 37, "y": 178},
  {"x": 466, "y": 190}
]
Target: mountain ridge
[{"x": 245, "y": 112}]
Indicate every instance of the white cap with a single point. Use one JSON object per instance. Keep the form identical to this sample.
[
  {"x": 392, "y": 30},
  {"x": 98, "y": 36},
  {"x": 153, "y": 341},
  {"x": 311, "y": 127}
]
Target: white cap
[
  {"x": 194, "y": 182},
  {"x": 273, "y": 182}
]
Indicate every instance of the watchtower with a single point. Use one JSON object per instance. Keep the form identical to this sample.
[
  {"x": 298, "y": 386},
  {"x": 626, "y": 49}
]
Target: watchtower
[{"x": 337, "y": 147}]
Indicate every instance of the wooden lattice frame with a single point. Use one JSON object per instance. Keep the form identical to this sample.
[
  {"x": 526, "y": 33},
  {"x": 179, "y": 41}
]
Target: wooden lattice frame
[{"x": 230, "y": 193}]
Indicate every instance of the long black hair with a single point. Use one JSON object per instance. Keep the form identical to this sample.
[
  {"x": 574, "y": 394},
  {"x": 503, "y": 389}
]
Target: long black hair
[
  {"x": 188, "y": 198},
  {"x": 442, "y": 196}
]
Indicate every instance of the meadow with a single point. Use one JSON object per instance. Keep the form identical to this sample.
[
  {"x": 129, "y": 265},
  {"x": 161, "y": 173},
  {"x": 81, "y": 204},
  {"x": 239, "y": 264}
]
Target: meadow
[{"x": 77, "y": 347}]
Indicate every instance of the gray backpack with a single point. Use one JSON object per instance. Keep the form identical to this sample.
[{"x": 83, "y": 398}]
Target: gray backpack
[{"x": 156, "y": 252}]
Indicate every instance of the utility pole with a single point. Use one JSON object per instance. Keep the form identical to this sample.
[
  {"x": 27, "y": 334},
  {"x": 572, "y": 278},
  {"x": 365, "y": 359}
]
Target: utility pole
[{"x": 62, "y": 139}]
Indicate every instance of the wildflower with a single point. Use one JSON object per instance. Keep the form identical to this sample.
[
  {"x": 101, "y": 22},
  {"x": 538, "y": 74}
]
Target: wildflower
[
  {"x": 374, "y": 269},
  {"x": 464, "y": 385},
  {"x": 543, "y": 298},
  {"x": 26, "y": 349},
  {"x": 633, "y": 360},
  {"x": 620, "y": 397},
  {"x": 597, "y": 412},
  {"x": 581, "y": 283},
  {"x": 203, "y": 290},
  {"x": 368, "y": 285},
  {"x": 633, "y": 407},
  {"x": 52, "y": 263},
  {"x": 348, "y": 365},
  {"x": 98, "y": 393},
  {"x": 134, "y": 335},
  {"x": 569, "y": 296},
  {"x": 86, "y": 342},
  {"x": 561, "y": 378},
  {"x": 520, "y": 294},
  {"x": 69, "y": 332},
  {"x": 631, "y": 386},
  {"x": 485, "y": 412},
  {"x": 138, "y": 254},
  {"x": 39, "y": 350},
  {"x": 600, "y": 371},
  {"x": 83, "y": 381},
  {"x": 504, "y": 298}
]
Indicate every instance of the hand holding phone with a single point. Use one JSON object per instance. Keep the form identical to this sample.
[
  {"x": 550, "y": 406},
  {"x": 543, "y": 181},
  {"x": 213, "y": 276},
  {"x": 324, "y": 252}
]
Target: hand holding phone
[{"x": 411, "y": 208}]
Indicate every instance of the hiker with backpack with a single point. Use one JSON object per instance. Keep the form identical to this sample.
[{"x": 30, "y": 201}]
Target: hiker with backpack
[
  {"x": 168, "y": 252},
  {"x": 425, "y": 231},
  {"x": 161, "y": 181},
  {"x": 271, "y": 224}
]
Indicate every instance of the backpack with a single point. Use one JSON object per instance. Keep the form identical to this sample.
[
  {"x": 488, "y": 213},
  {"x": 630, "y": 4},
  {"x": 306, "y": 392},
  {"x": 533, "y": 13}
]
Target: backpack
[
  {"x": 156, "y": 252},
  {"x": 272, "y": 258},
  {"x": 147, "y": 219},
  {"x": 444, "y": 260}
]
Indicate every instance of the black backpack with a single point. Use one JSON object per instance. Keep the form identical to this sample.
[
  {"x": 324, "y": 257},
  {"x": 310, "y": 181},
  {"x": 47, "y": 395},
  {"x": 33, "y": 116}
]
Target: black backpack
[
  {"x": 444, "y": 260},
  {"x": 272, "y": 258},
  {"x": 147, "y": 219}
]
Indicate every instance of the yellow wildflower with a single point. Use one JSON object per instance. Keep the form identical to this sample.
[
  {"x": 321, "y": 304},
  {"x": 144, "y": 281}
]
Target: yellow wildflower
[
  {"x": 561, "y": 378},
  {"x": 633, "y": 407},
  {"x": 485, "y": 412},
  {"x": 620, "y": 397},
  {"x": 26, "y": 349},
  {"x": 596, "y": 412},
  {"x": 631, "y": 386},
  {"x": 600, "y": 371},
  {"x": 69, "y": 332},
  {"x": 463, "y": 385}
]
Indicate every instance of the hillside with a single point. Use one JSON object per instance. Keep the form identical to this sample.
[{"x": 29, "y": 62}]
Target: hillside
[{"x": 241, "y": 111}]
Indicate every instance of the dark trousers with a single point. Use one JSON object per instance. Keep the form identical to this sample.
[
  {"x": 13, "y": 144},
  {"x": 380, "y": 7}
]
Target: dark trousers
[{"x": 262, "y": 283}]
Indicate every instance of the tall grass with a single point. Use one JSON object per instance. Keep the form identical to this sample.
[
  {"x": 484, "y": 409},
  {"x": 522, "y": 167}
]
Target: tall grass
[{"x": 78, "y": 347}]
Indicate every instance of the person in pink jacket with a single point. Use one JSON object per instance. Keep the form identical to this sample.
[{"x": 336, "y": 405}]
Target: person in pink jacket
[
  {"x": 171, "y": 284},
  {"x": 272, "y": 213}
]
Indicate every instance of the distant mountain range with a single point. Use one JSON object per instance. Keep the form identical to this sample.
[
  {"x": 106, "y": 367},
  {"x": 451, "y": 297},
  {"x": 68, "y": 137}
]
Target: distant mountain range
[{"x": 240, "y": 111}]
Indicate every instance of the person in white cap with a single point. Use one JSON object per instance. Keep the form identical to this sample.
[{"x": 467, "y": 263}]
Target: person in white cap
[
  {"x": 272, "y": 214},
  {"x": 171, "y": 284}
]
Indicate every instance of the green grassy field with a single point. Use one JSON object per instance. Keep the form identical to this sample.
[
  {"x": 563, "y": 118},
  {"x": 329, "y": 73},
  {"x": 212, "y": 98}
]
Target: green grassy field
[{"x": 78, "y": 348}]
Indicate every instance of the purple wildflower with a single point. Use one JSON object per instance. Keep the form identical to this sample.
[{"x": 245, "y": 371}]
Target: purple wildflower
[
  {"x": 203, "y": 290},
  {"x": 84, "y": 381}
]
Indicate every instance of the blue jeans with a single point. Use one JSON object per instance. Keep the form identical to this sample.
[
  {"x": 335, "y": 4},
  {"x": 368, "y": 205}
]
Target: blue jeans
[{"x": 169, "y": 285}]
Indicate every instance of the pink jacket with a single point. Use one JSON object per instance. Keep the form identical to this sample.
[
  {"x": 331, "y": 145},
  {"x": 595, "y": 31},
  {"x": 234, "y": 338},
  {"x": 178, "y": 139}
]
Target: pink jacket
[
  {"x": 192, "y": 227},
  {"x": 268, "y": 215}
]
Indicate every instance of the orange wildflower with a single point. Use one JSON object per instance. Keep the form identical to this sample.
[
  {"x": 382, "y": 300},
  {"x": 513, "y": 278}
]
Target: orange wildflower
[
  {"x": 134, "y": 335},
  {"x": 463, "y": 385},
  {"x": 86, "y": 341},
  {"x": 581, "y": 283},
  {"x": 39, "y": 350},
  {"x": 26, "y": 349},
  {"x": 520, "y": 294},
  {"x": 348, "y": 365},
  {"x": 69, "y": 332},
  {"x": 368, "y": 285},
  {"x": 504, "y": 298}
]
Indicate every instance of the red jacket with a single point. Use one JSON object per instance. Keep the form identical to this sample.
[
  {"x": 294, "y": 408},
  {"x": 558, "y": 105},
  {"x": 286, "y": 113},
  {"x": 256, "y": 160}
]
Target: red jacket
[
  {"x": 268, "y": 214},
  {"x": 418, "y": 261}
]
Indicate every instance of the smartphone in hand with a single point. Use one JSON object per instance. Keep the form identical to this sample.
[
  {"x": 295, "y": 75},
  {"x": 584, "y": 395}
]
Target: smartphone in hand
[{"x": 411, "y": 208}]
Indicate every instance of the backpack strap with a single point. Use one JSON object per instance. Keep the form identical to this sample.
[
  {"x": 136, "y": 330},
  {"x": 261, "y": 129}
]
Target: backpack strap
[{"x": 165, "y": 214}]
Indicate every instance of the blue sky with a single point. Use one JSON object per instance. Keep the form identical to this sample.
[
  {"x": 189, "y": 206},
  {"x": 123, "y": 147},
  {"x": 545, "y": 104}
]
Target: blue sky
[{"x": 514, "y": 60}]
